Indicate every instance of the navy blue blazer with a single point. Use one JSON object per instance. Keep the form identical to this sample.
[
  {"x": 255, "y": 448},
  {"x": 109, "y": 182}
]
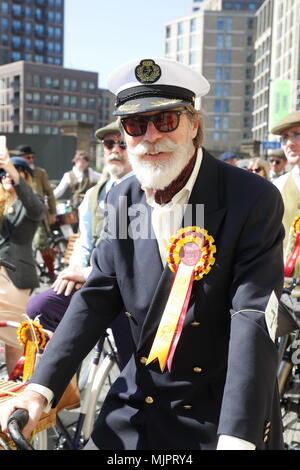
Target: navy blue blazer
[{"x": 223, "y": 378}]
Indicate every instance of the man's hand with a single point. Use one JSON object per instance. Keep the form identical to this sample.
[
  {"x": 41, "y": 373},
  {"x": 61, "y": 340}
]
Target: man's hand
[
  {"x": 68, "y": 280},
  {"x": 29, "y": 400}
]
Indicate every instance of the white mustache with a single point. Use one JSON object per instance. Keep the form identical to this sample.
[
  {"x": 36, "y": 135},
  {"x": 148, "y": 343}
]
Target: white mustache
[
  {"x": 165, "y": 145},
  {"x": 115, "y": 156}
]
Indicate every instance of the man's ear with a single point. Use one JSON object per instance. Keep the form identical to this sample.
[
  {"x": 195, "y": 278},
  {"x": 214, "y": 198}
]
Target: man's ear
[{"x": 195, "y": 126}]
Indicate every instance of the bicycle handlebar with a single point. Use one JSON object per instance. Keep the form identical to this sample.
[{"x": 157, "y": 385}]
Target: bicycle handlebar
[{"x": 16, "y": 422}]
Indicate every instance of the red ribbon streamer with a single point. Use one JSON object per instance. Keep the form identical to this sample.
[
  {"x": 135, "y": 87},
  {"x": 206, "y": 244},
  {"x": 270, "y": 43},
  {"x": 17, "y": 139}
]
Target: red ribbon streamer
[{"x": 291, "y": 262}]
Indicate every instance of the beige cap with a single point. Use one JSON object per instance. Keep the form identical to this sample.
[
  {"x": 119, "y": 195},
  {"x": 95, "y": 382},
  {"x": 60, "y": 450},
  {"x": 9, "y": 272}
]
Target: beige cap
[
  {"x": 291, "y": 120},
  {"x": 110, "y": 128}
]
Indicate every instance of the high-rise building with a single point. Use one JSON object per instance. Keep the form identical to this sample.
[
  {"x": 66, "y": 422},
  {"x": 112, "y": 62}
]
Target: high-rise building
[
  {"x": 277, "y": 65},
  {"x": 219, "y": 44},
  {"x": 34, "y": 97},
  {"x": 32, "y": 30},
  {"x": 197, "y": 4}
]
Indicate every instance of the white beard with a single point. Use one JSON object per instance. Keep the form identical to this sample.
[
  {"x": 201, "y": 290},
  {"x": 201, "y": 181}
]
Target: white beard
[
  {"x": 158, "y": 174},
  {"x": 115, "y": 169}
]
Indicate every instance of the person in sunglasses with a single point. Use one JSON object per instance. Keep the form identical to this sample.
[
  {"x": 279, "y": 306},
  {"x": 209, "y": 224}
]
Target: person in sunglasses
[
  {"x": 192, "y": 251},
  {"x": 21, "y": 210},
  {"x": 50, "y": 305},
  {"x": 259, "y": 166},
  {"x": 277, "y": 161},
  {"x": 289, "y": 184}
]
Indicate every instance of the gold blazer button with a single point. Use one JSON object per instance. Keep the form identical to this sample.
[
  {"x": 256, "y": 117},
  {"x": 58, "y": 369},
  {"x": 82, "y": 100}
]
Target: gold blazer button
[
  {"x": 149, "y": 400},
  {"x": 143, "y": 360},
  {"x": 197, "y": 370}
]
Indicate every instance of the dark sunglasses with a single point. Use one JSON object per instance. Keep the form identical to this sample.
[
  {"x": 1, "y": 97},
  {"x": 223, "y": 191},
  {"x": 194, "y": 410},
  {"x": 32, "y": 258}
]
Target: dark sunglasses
[
  {"x": 19, "y": 168},
  {"x": 255, "y": 170},
  {"x": 110, "y": 143},
  {"x": 166, "y": 121},
  {"x": 274, "y": 161}
]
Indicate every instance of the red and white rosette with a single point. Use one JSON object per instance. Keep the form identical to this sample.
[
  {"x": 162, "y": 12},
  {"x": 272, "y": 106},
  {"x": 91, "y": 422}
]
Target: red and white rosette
[
  {"x": 294, "y": 256},
  {"x": 190, "y": 257}
]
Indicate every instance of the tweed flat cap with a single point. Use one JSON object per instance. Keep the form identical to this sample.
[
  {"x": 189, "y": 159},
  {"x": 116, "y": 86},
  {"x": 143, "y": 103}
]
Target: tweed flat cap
[{"x": 109, "y": 129}]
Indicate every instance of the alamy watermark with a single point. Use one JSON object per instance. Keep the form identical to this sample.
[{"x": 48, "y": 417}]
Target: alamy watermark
[{"x": 135, "y": 221}]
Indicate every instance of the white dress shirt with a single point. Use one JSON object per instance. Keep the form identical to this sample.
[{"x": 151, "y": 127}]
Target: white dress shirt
[{"x": 65, "y": 183}]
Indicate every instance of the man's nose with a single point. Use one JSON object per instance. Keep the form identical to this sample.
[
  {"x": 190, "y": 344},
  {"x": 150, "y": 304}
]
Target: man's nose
[{"x": 152, "y": 134}]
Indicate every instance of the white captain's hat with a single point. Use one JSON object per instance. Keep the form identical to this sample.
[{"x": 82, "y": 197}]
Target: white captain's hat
[{"x": 144, "y": 85}]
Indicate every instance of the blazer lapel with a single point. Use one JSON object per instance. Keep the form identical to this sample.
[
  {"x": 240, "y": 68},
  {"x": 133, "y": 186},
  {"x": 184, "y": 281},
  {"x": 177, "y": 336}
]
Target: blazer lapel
[{"x": 207, "y": 192}]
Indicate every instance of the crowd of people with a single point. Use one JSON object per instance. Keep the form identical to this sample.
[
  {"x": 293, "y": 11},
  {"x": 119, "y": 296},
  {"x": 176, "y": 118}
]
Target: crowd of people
[{"x": 192, "y": 301}]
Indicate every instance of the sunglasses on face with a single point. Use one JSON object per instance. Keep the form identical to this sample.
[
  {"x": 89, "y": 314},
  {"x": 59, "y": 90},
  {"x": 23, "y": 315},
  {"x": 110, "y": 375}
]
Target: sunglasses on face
[
  {"x": 276, "y": 162},
  {"x": 255, "y": 170},
  {"x": 110, "y": 143},
  {"x": 166, "y": 121},
  {"x": 19, "y": 168},
  {"x": 293, "y": 135}
]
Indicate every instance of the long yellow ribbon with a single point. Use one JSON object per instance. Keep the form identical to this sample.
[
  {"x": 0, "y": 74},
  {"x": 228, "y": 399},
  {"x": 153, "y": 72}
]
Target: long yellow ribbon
[{"x": 167, "y": 327}]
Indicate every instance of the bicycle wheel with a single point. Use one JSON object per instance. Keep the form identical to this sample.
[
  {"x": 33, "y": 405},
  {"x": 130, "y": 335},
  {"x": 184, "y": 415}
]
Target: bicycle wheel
[{"x": 106, "y": 374}]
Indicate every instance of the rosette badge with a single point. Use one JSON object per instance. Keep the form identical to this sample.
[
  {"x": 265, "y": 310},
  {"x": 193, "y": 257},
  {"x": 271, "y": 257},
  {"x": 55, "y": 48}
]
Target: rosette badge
[
  {"x": 190, "y": 257},
  {"x": 292, "y": 265},
  {"x": 193, "y": 247}
]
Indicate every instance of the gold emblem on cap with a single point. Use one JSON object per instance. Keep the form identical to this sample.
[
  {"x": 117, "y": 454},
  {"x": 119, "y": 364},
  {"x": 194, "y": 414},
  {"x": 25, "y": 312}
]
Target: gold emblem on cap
[
  {"x": 165, "y": 102},
  {"x": 148, "y": 71},
  {"x": 129, "y": 107}
]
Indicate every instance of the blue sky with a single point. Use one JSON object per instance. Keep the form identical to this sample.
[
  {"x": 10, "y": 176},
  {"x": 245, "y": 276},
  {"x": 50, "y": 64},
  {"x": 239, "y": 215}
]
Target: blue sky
[{"x": 103, "y": 34}]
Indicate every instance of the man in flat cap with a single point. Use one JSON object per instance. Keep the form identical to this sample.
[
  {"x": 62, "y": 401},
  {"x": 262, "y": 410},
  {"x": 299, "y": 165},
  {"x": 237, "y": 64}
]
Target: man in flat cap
[
  {"x": 79, "y": 179},
  {"x": 277, "y": 161},
  {"x": 193, "y": 250},
  {"x": 289, "y": 184}
]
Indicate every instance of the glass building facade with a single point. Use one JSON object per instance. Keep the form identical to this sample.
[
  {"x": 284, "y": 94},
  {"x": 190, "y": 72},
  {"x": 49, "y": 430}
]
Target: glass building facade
[{"x": 32, "y": 30}]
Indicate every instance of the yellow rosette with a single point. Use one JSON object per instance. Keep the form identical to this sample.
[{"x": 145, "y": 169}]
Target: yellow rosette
[
  {"x": 31, "y": 335},
  {"x": 190, "y": 257}
]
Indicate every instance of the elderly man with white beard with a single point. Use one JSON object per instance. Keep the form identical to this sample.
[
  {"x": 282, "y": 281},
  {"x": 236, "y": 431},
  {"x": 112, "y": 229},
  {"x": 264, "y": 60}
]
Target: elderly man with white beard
[{"x": 201, "y": 296}]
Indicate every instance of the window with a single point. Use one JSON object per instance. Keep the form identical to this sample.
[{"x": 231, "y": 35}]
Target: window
[
  {"x": 192, "y": 58},
  {"x": 193, "y": 25},
  {"x": 16, "y": 26},
  {"x": 17, "y": 10},
  {"x": 16, "y": 42},
  {"x": 4, "y": 8},
  {"x": 16, "y": 56},
  {"x": 180, "y": 28},
  {"x": 218, "y": 106},
  {"x": 168, "y": 31}
]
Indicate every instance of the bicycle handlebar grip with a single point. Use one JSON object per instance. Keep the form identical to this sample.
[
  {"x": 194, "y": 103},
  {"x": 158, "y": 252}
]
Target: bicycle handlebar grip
[{"x": 16, "y": 422}]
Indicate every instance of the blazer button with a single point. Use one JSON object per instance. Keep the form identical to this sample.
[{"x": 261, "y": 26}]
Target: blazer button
[
  {"x": 143, "y": 360},
  {"x": 195, "y": 323},
  {"x": 187, "y": 407},
  {"x": 149, "y": 400},
  {"x": 128, "y": 315},
  {"x": 197, "y": 370}
]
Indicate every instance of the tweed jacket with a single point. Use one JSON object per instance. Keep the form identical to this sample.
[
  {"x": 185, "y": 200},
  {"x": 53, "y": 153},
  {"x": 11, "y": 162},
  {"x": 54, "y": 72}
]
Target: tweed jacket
[
  {"x": 223, "y": 377},
  {"x": 16, "y": 234}
]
